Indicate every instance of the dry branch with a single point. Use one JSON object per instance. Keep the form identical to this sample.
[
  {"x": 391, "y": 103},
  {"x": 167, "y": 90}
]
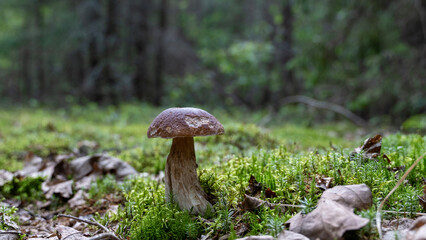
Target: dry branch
[
  {"x": 325, "y": 105},
  {"x": 108, "y": 235}
]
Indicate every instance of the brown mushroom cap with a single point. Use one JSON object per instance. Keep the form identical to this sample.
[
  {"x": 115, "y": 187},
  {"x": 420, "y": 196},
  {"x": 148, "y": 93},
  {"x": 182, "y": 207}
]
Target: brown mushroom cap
[{"x": 184, "y": 122}]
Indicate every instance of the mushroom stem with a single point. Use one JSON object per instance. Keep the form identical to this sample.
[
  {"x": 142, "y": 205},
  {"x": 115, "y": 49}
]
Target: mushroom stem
[{"x": 182, "y": 184}]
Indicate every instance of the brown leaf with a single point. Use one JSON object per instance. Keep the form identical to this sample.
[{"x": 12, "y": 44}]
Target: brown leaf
[
  {"x": 62, "y": 189},
  {"x": 69, "y": 233},
  {"x": 324, "y": 183},
  {"x": 253, "y": 203},
  {"x": 330, "y": 220},
  {"x": 8, "y": 235},
  {"x": 417, "y": 231},
  {"x": 254, "y": 188},
  {"x": 5, "y": 177},
  {"x": 262, "y": 237},
  {"x": 270, "y": 194},
  {"x": 289, "y": 235},
  {"x": 354, "y": 196},
  {"x": 370, "y": 148},
  {"x": 101, "y": 164},
  {"x": 334, "y": 213},
  {"x": 386, "y": 158},
  {"x": 78, "y": 199}
]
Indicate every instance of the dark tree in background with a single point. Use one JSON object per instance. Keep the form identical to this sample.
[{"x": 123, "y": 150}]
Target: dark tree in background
[
  {"x": 160, "y": 58},
  {"x": 139, "y": 27},
  {"x": 366, "y": 56}
]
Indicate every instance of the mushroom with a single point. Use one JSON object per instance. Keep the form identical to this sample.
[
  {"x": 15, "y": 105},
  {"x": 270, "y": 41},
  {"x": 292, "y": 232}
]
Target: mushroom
[{"x": 181, "y": 180}]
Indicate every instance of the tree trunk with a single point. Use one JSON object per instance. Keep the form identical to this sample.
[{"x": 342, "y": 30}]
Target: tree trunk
[
  {"x": 27, "y": 88},
  {"x": 108, "y": 78},
  {"x": 290, "y": 84},
  {"x": 92, "y": 20},
  {"x": 159, "y": 75},
  {"x": 140, "y": 81},
  {"x": 182, "y": 184},
  {"x": 38, "y": 49}
]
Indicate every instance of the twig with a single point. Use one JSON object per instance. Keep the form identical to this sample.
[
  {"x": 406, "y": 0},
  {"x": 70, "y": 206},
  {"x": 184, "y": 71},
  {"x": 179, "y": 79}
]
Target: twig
[
  {"x": 378, "y": 217},
  {"x": 396, "y": 212},
  {"x": 10, "y": 232},
  {"x": 86, "y": 221},
  {"x": 101, "y": 236},
  {"x": 327, "y": 106}
]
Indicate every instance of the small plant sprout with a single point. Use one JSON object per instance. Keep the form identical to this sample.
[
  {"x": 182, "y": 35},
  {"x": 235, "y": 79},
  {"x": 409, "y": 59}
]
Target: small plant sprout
[{"x": 181, "y": 181}]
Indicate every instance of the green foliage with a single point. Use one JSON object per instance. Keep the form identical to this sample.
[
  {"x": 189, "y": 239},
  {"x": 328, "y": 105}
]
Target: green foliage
[
  {"x": 26, "y": 190},
  {"x": 7, "y": 212},
  {"x": 103, "y": 186},
  {"x": 149, "y": 217},
  {"x": 416, "y": 123}
]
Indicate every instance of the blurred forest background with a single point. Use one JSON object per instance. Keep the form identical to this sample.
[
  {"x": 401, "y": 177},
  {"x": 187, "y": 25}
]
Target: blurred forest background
[{"x": 368, "y": 56}]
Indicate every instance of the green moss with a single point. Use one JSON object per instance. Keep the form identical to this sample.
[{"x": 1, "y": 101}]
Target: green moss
[
  {"x": 416, "y": 124},
  {"x": 25, "y": 190}
]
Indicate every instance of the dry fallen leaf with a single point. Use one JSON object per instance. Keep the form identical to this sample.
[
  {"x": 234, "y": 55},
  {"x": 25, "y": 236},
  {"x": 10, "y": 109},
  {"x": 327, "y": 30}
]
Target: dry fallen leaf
[
  {"x": 8, "y": 235},
  {"x": 324, "y": 183},
  {"x": 253, "y": 203},
  {"x": 254, "y": 188},
  {"x": 262, "y": 237},
  {"x": 5, "y": 177},
  {"x": 68, "y": 233},
  {"x": 355, "y": 196},
  {"x": 101, "y": 164},
  {"x": 330, "y": 220},
  {"x": 289, "y": 235},
  {"x": 334, "y": 214},
  {"x": 62, "y": 189},
  {"x": 370, "y": 148},
  {"x": 417, "y": 231},
  {"x": 270, "y": 194}
]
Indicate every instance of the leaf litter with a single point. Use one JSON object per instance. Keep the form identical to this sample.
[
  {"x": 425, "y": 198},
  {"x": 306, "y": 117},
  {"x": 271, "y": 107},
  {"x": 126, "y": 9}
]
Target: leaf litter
[{"x": 67, "y": 179}]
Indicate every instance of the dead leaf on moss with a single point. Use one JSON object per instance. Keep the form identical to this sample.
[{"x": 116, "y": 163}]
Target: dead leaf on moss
[
  {"x": 417, "y": 230},
  {"x": 254, "y": 188},
  {"x": 370, "y": 148},
  {"x": 262, "y": 237},
  {"x": 330, "y": 220},
  {"x": 355, "y": 196},
  {"x": 324, "y": 183},
  {"x": 253, "y": 203},
  {"x": 334, "y": 214},
  {"x": 270, "y": 194},
  {"x": 289, "y": 235}
]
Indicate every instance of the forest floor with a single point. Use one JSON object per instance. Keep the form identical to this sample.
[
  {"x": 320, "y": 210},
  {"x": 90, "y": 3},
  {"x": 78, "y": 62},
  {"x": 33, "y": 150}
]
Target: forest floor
[{"x": 98, "y": 166}]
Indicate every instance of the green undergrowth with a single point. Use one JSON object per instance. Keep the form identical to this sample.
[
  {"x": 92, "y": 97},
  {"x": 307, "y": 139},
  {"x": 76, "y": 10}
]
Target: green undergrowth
[
  {"x": 287, "y": 158},
  {"x": 121, "y": 132},
  {"x": 292, "y": 175}
]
